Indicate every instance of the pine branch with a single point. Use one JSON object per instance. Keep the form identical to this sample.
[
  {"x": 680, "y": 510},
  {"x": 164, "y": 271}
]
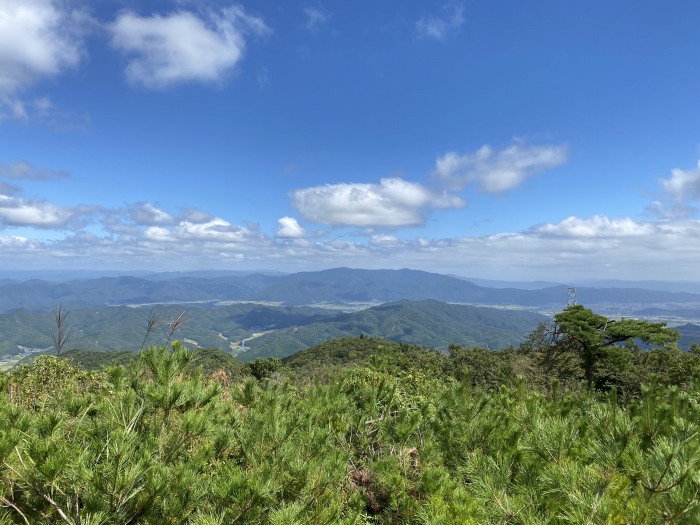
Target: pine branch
[{"x": 8, "y": 503}]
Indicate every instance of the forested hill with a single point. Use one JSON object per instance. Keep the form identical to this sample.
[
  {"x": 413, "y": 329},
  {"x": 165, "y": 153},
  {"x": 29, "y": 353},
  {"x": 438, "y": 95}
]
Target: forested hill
[
  {"x": 286, "y": 329},
  {"x": 428, "y": 323},
  {"x": 339, "y": 286},
  {"x": 124, "y": 328}
]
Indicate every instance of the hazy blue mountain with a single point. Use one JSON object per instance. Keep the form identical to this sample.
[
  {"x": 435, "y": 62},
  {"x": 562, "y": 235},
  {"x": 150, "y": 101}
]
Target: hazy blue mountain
[
  {"x": 690, "y": 333},
  {"x": 66, "y": 275},
  {"x": 207, "y": 274},
  {"x": 521, "y": 285},
  {"x": 344, "y": 285},
  {"x": 682, "y": 313},
  {"x": 337, "y": 286},
  {"x": 633, "y": 295},
  {"x": 36, "y": 295},
  {"x": 664, "y": 286}
]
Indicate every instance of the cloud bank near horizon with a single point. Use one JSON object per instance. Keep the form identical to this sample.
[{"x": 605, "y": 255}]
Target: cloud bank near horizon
[{"x": 144, "y": 234}]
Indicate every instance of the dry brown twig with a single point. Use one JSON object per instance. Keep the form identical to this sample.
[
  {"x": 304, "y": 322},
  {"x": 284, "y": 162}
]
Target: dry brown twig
[
  {"x": 150, "y": 325},
  {"x": 176, "y": 325},
  {"x": 62, "y": 333}
]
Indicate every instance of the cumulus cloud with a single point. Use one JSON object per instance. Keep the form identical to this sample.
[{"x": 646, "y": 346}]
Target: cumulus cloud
[
  {"x": 597, "y": 227},
  {"x": 13, "y": 241},
  {"x": 191, "y": 236},
  {"x": 183, "y": 46},
  {"x": 497, "y": 171},
  {"x": 156, "y": 233},
  {"x": 440, "y": 26},
  {"x": 683, "y": 184},
  {"x": 289, "y": 228},
  {"x": 38, "y": 39},
  {"x": 217, "y": 229},
  {"x": 146, "y": 213},
  {"x": 37, "y": 214},
  {"x": 392, "y": 203}
]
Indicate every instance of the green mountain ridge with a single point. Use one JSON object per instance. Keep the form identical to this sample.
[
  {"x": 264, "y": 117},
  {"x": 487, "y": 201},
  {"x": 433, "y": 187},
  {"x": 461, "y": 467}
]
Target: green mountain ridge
[
  {"x": 124, "y": 328},
  {"x": 276, "y": 331},
  {"x": 429, "y": 323},
  {"x": 289, "y": 329}
]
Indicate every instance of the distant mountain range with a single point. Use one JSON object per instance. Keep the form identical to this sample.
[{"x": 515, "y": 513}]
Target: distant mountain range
[
  {"x": 267, "y": 314},
  {"x": 341, "y": 286}
]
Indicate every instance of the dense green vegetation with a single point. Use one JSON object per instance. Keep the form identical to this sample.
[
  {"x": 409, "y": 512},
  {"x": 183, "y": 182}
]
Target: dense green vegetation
[
  {"x": 359, "y": 430},
  {"x": 123, "y": 328},
  {"x": 430, "y": 323}
]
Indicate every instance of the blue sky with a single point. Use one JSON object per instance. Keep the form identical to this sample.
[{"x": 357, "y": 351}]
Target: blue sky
[{"x": 499, "y": 139}]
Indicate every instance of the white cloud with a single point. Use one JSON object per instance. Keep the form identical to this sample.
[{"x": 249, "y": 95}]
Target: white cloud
[
  {"x": 217, "y": 230},
  {"x": 392, "y": 203},
  {"x": 575, "y": 248},
  {"x": 156, "y": 233},
  {"x": 497, "y": 171},
  {"x": 37, "y": 214},
  {"x": 673, "y": 211},
  {"x": 15, "y": 241},
  {"x": 183, "y": 47},
  {"x": 195, "y": 215},
  {"x": 148, "y": 214},
  {"x": 289, "y": 228},
  {"x": 316, "y": 17},
  {"x": 439, "y": 27},
  {"x": 38, "y": 39},
  {"x": 385, "y": 241},
  {"x": 26, "y": 171},
  {"x": 683, "y": 184},
  {"x": 597, "y": 227}
]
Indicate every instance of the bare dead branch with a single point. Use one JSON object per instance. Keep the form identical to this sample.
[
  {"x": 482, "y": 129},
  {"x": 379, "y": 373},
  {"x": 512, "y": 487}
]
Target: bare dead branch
[
  {"x": 150, "y": 325},
  {"x": 8, "y": 503},
  {"x": 63, "y": 333}
]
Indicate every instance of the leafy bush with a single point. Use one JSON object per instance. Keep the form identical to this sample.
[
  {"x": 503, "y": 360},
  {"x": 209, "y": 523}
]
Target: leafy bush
[{"x": 375, "y": 441}]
